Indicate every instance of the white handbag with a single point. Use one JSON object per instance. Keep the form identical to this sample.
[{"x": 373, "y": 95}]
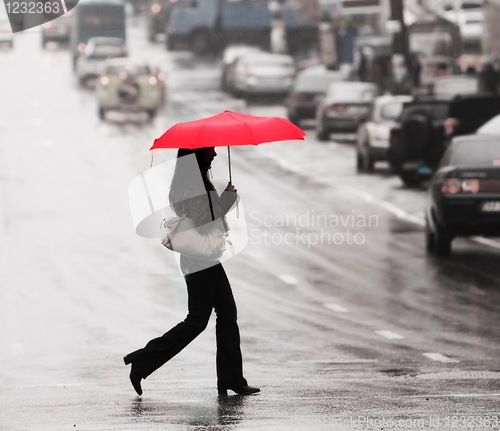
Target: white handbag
[
  {"x": 206, "y": 242},
  {"x": 180, "y": 234}
]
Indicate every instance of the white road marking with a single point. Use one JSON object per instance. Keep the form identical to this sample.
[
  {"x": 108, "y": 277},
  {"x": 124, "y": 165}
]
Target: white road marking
[
  {"x": 47, "y": 385},
  {"x": 486, "y": 241},
  {"x": 393, "y": 209},
  {"x": 439, "y": 357},
  {"x": 334, "y": 361},
  {"x": 337, "y": 308},
  {"x": 288, "y": 279},
  {"x": 454, "y": 395},
  {"x": 415, "y": 219},
  {"x": 390, "y": 335}
]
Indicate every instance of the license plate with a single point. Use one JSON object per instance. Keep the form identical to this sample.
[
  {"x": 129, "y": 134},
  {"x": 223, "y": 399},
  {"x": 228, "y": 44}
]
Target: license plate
[{"x": 490, "y": 207}]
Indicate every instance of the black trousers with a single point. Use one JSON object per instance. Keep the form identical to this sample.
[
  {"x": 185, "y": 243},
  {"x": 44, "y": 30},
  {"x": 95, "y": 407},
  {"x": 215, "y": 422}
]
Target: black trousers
[{"x": 207, "y": 289}]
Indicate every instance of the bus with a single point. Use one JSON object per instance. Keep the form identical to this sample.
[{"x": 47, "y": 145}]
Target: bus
[{"x": 97, "y": 18}]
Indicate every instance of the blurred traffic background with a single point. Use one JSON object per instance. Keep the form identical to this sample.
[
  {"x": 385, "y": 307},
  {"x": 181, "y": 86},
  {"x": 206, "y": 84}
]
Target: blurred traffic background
[{"x": 372, "y": 244}]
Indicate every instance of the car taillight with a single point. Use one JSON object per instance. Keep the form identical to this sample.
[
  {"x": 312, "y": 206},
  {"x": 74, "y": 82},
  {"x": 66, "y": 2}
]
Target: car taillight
[
  {"x": 336, "y": 108},
  {"x": 455, "y": 186},
  {"x": 152, "y": 80},
  {"x": 104, "y": 81}
]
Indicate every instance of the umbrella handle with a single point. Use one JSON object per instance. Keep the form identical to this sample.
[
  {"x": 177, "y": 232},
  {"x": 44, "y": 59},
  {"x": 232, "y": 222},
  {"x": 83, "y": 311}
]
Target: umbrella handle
[
  {"x": 229, "y": 163},
  {"x": 231, "y": 179}
]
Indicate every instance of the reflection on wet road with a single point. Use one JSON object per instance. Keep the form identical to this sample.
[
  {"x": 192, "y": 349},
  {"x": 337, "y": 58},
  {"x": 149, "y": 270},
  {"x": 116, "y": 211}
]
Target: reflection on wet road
[{"x": 342, "y": 314}]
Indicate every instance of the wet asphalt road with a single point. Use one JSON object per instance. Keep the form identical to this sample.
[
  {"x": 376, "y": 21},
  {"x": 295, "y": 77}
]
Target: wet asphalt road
[{"x": 345, "y": 322}]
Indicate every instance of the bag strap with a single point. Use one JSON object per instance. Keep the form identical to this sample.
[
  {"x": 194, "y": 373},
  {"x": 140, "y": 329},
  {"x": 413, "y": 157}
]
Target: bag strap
[{"x": 211, "y": 208}]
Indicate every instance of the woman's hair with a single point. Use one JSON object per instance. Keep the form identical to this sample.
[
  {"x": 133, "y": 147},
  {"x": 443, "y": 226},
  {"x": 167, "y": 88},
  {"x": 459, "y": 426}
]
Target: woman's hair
[{"x": 185, "y": 182}]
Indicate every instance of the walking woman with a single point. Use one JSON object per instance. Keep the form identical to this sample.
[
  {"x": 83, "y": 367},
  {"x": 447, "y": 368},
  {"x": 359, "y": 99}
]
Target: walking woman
[{"x": 207, "y": 285}]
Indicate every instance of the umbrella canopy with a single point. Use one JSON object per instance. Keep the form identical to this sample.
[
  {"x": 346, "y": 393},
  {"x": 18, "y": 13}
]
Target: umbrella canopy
[{"x": 228, "y": 129}]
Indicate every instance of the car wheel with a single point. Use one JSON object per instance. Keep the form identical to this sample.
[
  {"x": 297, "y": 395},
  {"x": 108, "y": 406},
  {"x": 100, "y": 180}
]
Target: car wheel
[
  {"x": 430, "y": 239},
  {"x": 170, "y": 44},
  {"x": 410, "y": 179},
  {"x": 369, "y": 163},
  {"x": 322, "y": 134},
  {"x": 102, "y": 113},
  {"x": 442, "y": 243},
  {"x": 200, "y": 42},
  {"x": 359, "y": 161},
  {"x": 364, "y": 161},
  {"x": 82, "y": 81}
]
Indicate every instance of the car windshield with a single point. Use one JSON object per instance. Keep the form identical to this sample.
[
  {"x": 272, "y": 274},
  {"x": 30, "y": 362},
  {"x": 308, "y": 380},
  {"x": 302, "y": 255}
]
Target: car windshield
[
  {"x": 101, "y": 51},
  {"x": 391, "y": 111},
  {"x": 430, "y": 44},
  {"x": 456, "y": 85},
  {"x": 491, "y": 127},
  {"x": 480, "y": 153},
  {"x": 315, "y": 83},
  {"x": 270, "y": 63},
  {"x": 129, "y": 69},
  {"x": 438, "y": 111},
  {"x": 351, "y": 92}
]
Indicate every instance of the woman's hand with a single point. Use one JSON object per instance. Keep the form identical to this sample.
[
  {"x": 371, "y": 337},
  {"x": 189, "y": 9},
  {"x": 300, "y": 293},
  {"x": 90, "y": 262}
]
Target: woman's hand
[{"x": 230, "y": 188}]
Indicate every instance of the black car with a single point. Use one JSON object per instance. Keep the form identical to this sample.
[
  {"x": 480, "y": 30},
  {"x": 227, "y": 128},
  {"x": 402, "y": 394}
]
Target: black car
[
  {"x": 427, "y": 124},
  {"x": 464, "y": 193},
  {"x": 157, "y": 15},
  {"x": 58, "y": 30}
]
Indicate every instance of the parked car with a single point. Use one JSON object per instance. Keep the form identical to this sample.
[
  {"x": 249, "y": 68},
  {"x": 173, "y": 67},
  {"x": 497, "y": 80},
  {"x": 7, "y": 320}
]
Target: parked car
[
  {"x": 6, "y": 34},
  {"x": 58, "y": 30},
  {"x": 372, "y": 138},
  {"x": 258, "y": 73},
  {"x": 464, "y": 193},
  {"x": 345, "y": 106},
  {"x": 98, "y": 49},
  {"x": 309, "y": 88},
  {"x": 229, "y": 60},
  {"x": 426, "y": 125},
  {"x": 130, "y": 86}
]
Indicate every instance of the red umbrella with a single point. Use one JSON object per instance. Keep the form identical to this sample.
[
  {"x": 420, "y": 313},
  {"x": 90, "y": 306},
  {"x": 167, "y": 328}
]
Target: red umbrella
[{"x": 228, "y": 129}]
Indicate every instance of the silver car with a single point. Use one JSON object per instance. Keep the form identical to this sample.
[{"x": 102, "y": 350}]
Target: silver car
[
  {"x": 345, "y": 106},
  {"x": 264, "y": 73},
  {"x": 373, "y": 136},
  {"x": 229, "y": 60}
]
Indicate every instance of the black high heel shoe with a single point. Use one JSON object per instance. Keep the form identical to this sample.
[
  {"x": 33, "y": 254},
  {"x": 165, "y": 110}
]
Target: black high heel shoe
[
  {"x": 135, "y": 379},
  {"x": 242, "y": 390}
]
